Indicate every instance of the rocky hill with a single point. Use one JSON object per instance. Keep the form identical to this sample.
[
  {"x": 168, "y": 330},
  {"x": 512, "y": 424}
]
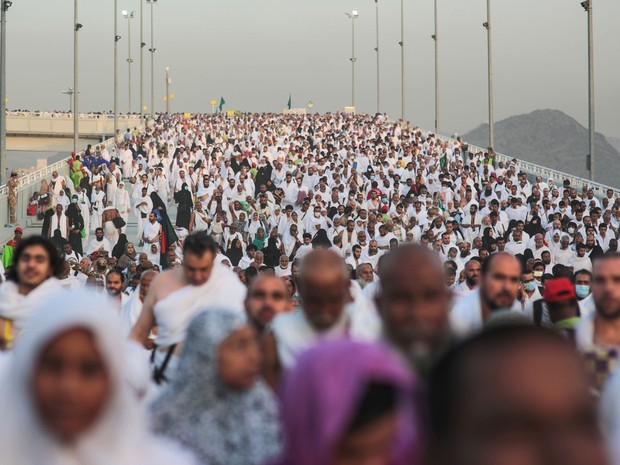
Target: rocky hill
[{"x": 554, "y": 139}]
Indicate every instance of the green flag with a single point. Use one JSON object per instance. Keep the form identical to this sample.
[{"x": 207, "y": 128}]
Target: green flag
[
  {"x": 222, "y": 103},
  {"x": 289, "y": 101}
]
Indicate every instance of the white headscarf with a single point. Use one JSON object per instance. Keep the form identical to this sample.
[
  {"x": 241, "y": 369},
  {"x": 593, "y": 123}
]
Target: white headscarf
[
  {"x": 222, "y": 426},
  {"x": 119, "y": 437}
]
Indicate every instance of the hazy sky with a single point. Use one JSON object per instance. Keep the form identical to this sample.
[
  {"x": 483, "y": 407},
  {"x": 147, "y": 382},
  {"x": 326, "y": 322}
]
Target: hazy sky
[{"x": 256, "y": 52}]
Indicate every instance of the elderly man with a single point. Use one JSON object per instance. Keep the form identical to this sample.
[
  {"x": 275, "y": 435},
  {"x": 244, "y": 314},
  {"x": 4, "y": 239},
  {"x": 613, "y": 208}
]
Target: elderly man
[
  {"x": 324, "y": 289},
  {"x": 133, "y": 306},
  {"x": 414, "y": 304}
]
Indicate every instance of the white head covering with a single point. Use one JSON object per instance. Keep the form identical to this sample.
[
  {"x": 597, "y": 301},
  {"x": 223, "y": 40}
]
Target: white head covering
[
  {"x": 219, "y": 424},
  {"x": 119, "y": 436}
]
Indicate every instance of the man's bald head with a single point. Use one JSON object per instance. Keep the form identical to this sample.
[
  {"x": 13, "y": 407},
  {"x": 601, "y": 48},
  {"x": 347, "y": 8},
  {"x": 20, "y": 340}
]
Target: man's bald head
[
  {"x": 413, "y": 300},
  {"x": 145, "y": 282},
  {"x": 324, "y": 288}
]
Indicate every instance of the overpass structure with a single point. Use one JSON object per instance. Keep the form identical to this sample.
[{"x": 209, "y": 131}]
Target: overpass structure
[
  {"x": 31, "y": 182},
  {"x": 45, "y": 124}
]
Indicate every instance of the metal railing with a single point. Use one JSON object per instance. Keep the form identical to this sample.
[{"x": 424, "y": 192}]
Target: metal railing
[
  {"x": 532, "y": 169},
  {"x": 68, "y": 114},
  {"x": 28, "y": 185}
]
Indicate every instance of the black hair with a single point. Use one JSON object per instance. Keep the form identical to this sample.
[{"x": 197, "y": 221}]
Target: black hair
[
  {"x": 447, "y": 378},
  {"x": 379, "y": 400},
  {"x": 115, "y": 271},
  {"x": 56, "y": 261},
  {"x": 199, "y": 244},
  {"x": 250, "y": 272},
  {"x": 583, "y": 271}
]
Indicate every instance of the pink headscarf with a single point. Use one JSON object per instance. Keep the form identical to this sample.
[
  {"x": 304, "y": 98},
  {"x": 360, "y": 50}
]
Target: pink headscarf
[{"x": 322, "y": 392}]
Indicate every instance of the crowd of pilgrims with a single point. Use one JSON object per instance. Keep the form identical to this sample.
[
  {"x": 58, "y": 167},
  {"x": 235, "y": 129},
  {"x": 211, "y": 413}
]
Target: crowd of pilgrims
[{"x": 309, "y": 290}]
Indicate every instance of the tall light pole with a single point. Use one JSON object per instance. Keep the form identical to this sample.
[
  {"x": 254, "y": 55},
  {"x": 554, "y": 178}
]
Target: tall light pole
[
  {"x": 353, "y": 15},
  {"x": 402, "y": 59},
  {"x": 76, "y": 106},
  {"x": 168, "y": 82},
  {"x": 116, "y": 39},
  {"x": 436, "y": 39},
  {"x": 69, "y": 92},
  {"x": 487, "y": 26},
  {"x": 4, "y": 6},
  {"x": 587, "y": 5},
  {"x": 152, "y": 50},
  {"x": 142, "y": 44},
  {"x": 129, "y": 16},
  {"x": 378, "y": 62}
]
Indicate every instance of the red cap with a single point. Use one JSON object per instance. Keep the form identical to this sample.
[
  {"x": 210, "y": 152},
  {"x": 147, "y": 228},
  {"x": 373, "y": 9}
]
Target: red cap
[
  {"x": 19, "y": 230},
  {"x": 559, "y": 290}
]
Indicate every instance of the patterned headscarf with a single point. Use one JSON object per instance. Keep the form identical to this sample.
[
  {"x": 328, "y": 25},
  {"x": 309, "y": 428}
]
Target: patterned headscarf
[{"x": 221, "y": 425}]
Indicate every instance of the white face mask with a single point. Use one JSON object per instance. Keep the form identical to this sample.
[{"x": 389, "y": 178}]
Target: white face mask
[{"x": 317, "y": 214}]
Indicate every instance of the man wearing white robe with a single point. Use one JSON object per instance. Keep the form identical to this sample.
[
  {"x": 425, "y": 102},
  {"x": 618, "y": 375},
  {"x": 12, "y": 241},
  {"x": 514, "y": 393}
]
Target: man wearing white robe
[
  {"x": 132, "y": 307},
  {"x": 176, "y": 296},
  {"x": 97, "y": 202},
  {"x": 151, "y": 234},
  {"x": 59, "y": 221},
  {"x": 84, "y": 204},
  {"x": 30, "y": 284},
  {"x": 99, "y": 243},
  {"x": 143, "y": 206},
  {"x": 122, "y": 204}
]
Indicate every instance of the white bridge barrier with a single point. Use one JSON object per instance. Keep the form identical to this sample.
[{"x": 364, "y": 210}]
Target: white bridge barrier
[{"x": 61, "y": 124}]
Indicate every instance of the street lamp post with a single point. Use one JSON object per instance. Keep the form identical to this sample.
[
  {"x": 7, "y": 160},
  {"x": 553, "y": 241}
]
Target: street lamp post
[
  {"x": 402, "y": 59},
  {"x": 129, "y": 16},
  {"x": 587, "y": 5},
  {"x": 353, "y": 15},
  {"x": 487, "y": 26},
  {"x": 436, "y": 39},
  {"x": 76, "y": 106},
  {"x": 378, "y": 61},
  {"x": 168, "y": 82},
  {"x": 152, "y": 50},
  {"x": 4, "y": 6},
  {"x": 142, "y": 44},
  {"x": 69, "y": 92},
  {"x": 116, "y": 39}
]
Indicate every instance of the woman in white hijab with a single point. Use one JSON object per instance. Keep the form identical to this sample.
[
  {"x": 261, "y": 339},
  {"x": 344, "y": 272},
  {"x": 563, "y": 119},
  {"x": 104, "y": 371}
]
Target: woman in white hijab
[
  {"x": 217, "y": 405},
  {"x": 153, "y": 255},
  {"x": 66, "y": 399}
]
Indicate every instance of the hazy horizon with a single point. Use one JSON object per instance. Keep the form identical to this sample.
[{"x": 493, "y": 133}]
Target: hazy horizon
[{"x": 254, "y": 54}]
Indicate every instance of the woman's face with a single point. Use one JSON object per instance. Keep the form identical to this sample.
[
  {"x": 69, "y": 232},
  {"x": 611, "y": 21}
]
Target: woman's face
[
  {"x": 131, "y": 248},
  {"x": 239, "y": 359},
  {"x": 153, "y": 248},
  {"x": 70, "y": 384}
]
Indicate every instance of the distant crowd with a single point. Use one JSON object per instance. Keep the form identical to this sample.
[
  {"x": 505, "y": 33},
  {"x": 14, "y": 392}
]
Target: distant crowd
[{"x": 310, "y": 289}]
